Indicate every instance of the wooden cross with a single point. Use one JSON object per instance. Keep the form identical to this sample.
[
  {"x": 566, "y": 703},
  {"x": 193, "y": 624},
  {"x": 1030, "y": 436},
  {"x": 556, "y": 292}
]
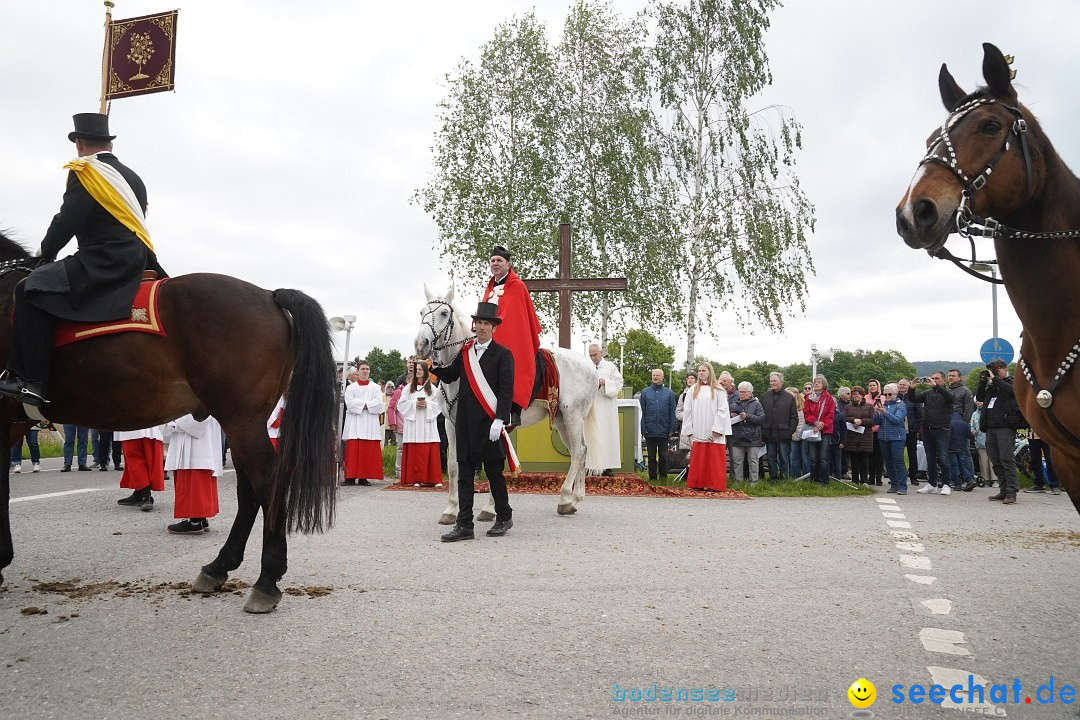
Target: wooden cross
[{"x": 566, "y": 284}]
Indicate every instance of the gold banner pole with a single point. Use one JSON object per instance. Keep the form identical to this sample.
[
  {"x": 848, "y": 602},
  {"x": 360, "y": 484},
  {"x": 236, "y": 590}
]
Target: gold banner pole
[{"x": 109, "y": 4}]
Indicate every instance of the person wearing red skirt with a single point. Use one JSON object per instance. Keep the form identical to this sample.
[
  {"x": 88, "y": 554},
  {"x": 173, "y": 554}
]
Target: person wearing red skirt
[
  {"x": 706, "y": 422},
  {"x": 419, "y": 408},
  {"x": 144, "y": 466},
  {"x": 362, "y": 431},
  {"x": 195, "y": 460}
]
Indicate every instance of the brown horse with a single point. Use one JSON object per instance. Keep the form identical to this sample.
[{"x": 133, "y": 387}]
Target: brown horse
[
  {"x": 991, "y": 171},
  {"x": 230, "y": 351}
]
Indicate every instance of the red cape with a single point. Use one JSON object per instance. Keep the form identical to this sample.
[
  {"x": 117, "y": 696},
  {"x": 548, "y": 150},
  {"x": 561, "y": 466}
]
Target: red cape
[{"x": 519, "y": 331}]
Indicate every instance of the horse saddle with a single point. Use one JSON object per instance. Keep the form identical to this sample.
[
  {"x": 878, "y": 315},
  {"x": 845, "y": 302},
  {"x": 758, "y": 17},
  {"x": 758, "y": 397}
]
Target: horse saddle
[{"x": 144, "y": 317}]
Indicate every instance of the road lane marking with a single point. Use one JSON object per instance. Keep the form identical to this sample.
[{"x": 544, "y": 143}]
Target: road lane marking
[
  {"x": 943, "y": 641},
  {"x": 898, "y": 523},
  {"x": 917, "y": 562},
  {"x": 938, "y": 606},
  {"x": 55, "y": 494},
  {"x": 921, "y": 579},
  {"x": 948, "y": 677}
]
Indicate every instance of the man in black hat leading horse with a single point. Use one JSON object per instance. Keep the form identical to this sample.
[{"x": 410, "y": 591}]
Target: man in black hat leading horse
[
  {"x": 483, "y": 410},
  {"x": 104, "y": 208}
]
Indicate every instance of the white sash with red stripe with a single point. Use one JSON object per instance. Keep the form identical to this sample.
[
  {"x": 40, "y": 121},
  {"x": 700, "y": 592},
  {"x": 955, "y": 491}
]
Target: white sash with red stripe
[{"x": 486, "y": 396}]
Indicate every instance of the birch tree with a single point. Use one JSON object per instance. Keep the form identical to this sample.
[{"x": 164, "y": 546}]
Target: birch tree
[{"x": 741, "y": 218}]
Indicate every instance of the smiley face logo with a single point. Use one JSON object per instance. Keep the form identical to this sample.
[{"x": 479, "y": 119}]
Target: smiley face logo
[{"x": 862, "y": 693}]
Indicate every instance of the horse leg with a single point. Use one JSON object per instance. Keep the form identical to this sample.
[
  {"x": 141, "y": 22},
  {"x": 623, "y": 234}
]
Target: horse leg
[
  {"x": 571, "y": 430},
  {"x": 7, "y": 549},
  {"x": 449, "y": 516},
  {"x": 213, "y": 576},
  {"x": 488, "y": 513},
  {"x": 258, "y": 454}
]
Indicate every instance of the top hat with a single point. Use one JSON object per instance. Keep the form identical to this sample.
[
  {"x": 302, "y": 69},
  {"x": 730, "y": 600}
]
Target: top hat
[
  {"x": 500, "y": 251},
  {"x": 90, "y": 126},
  {"x": 487, "y": 311}
]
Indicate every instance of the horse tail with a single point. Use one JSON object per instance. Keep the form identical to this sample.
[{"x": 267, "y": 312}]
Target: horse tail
[{"x": 306, "y": 465}]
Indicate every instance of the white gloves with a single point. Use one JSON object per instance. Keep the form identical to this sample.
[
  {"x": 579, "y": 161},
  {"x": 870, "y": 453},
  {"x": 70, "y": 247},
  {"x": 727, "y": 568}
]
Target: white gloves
[{"x": 496, "y": 430}]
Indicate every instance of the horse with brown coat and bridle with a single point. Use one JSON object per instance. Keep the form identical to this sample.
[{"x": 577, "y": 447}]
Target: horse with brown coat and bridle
[
  {"x": 230, "y": 350},
  {"x": 990, "y": 171}
]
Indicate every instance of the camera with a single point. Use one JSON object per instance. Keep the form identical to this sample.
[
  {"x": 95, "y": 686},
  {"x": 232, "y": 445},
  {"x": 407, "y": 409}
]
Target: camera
[
  {"x": 985, "y": 374},
  {"x": 922, "y": 381}
]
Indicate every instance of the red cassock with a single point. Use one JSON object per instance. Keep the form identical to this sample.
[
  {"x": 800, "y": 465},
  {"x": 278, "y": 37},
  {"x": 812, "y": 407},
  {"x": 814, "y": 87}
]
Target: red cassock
[
  {"x": 196, "y": 494},
  {"x": 420, "y": 463},
  {"x": 519, "y": 331},
  {"x": 363, "y": 460},
  {"x": 144, "y": 464},
  {"x": 708, "y": 467}
]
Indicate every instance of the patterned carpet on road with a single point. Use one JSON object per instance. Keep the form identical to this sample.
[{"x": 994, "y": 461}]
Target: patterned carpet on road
[{"x": 627, "y": 485}]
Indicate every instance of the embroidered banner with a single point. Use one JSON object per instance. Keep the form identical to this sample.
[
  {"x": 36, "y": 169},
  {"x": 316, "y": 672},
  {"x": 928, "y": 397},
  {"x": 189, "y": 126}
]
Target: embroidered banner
[{"x": 141, "y": 55}]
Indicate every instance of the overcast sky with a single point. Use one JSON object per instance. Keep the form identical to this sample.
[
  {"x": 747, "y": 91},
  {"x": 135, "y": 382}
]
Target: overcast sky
[{"x": 298, "y": 133}]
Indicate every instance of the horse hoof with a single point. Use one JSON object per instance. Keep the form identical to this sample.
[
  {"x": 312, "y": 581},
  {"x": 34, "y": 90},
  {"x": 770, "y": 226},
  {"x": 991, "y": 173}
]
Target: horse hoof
[
  {"x": 207, "y": 583},
  {"x": 260, "y": 602},
  {"x": 447, "y": 519},
  {"x": 567, "y": 509},
  {"x": 485, "y": 516}
]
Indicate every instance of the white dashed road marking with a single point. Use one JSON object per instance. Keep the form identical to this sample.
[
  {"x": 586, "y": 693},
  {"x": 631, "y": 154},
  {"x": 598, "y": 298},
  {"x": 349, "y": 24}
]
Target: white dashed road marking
[
  {"x": 918, "y": 562},
  {"x": 938, "y": 606},
  {"x": 948, "y": 677},
  {"x": 921, "y": 579},
  {"x": 943, "y": 641},
  {"x": 55, "y": 494}
]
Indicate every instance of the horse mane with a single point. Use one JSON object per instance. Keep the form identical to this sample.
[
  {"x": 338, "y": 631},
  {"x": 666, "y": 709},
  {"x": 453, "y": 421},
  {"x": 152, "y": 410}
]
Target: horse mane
[{"x": 11, "y": 250}]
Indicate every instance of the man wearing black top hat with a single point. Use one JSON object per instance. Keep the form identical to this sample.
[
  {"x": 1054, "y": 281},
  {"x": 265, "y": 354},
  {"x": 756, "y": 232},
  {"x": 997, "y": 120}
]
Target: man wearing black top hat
[
  {"x": 96, "y": 284},
  {"x": 479, "y": 426}
]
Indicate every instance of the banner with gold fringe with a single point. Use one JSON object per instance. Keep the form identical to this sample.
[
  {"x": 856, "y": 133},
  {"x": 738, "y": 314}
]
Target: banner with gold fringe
[{"x": 140, "y": 55}]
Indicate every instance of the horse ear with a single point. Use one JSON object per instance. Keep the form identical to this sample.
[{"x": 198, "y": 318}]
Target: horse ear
[
  {"x": 427, "y": 293},
  {"x": 450, "y": 294},
  {"x": 997, "y": 73},
  {"x": 951, "y": 93}
]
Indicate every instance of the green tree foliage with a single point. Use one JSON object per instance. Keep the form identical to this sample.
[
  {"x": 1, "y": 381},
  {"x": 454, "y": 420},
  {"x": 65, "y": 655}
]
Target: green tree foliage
[
  {"x": 741, "y": 217},
  {"x": 846, "y": 368},
  {"x": 643, "y": 352},
  {"x": 496, "y": 164},
  {"x": 610, "y": 161},
  {"x": 385, "y": 365}
]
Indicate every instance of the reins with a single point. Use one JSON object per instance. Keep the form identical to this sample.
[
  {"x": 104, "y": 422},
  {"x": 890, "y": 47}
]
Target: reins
[{"x": 428, "y": 320}]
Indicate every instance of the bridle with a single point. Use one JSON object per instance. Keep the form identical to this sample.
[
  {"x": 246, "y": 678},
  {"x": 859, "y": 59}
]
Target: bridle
[
  {"x": 969, "y": 225},
  {"x": 441, "y": 341},
  {"x": 987, "y": 227}
]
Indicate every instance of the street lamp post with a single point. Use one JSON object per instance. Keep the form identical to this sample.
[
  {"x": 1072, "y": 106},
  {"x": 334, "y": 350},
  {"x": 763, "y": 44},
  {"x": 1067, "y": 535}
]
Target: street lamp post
[
  {"x": 622, "y": 351},
  {"x": 987, "y": 267},
  {"x": 585, "y": 345},
  {"x": 816, "y": 355}
]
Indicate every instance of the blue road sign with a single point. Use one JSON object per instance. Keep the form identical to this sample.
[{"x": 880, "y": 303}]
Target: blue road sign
[{"x": 997, "y": 349}]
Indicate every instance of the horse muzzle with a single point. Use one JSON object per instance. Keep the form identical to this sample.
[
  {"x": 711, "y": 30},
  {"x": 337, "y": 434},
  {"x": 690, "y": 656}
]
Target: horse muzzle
[{"x": 925, "y": 224}]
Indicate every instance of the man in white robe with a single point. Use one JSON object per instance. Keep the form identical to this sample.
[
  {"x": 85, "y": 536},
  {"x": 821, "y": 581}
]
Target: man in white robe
[
  {"x": 604, "y": 451},
  {"x": 362, "y": 431}
]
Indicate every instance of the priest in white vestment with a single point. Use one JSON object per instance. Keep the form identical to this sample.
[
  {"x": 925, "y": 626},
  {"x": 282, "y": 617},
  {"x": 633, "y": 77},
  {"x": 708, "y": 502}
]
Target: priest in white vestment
[
  {"x": 706, "y": 423},
  {"x": 362, "y": 431},
  {"x": 602, "y": 439}
]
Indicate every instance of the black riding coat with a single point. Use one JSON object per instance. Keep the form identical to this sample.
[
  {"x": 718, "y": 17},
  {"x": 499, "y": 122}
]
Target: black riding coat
[
  {"x": 471, "y": 422},
  {"x": 99, "y": 281}
]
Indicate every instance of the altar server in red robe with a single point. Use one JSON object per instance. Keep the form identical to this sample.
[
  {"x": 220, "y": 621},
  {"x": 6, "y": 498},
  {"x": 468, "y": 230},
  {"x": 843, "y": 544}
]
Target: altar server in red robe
[
  {"x": 195, "y": 457},
  {"x": 362, "y": 430},
  {"x": 144, "y": 465},
  {"x": 707, "y": 423},
  {"x": 418, "y": 404}
]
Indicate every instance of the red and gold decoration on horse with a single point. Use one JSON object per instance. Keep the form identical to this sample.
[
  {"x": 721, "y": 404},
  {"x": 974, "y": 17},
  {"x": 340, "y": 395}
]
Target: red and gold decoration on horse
[
  {"x": 140, "y": 55},
  {"x": 144, "y": 318}
]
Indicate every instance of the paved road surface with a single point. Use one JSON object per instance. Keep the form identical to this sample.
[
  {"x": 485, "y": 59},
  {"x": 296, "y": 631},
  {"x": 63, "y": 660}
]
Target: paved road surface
[{"x": 778, "y": 605}]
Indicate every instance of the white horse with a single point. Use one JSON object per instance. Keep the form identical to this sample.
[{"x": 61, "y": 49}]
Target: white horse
[{"x": 444, "y": 329}]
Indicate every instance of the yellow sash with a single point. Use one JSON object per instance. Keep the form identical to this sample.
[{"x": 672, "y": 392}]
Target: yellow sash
[{"x": 109, "y": 188}]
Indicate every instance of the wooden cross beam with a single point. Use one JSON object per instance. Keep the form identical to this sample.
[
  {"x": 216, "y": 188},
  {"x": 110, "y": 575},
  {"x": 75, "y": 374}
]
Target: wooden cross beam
[{"x": 566, "y": 284}]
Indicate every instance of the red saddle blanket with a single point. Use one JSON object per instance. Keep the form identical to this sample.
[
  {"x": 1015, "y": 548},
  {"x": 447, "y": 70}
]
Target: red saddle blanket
[
  {"x": 547, "y": 385},
  {"x": 144, "y": 318}
]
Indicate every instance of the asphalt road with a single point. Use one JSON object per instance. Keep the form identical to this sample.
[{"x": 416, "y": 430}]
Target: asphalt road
[{"x": 776, "y": 605}]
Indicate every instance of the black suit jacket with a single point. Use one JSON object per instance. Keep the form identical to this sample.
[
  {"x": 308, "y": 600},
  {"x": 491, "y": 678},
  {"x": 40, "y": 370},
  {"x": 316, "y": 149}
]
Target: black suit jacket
[
  {"x": 471, "y": 422},
  {"x": 98, "y": 282}
]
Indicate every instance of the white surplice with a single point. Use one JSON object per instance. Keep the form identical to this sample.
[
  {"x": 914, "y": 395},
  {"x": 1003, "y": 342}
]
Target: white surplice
[{"x": 604, "y": 449}]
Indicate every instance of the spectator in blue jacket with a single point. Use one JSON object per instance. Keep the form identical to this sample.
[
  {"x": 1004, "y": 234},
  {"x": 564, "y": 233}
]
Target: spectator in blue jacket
[
  {"x": 961, "y": 471},
  {"x": 892, "y": 437},
  {"x": 657, "y": 423}
]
